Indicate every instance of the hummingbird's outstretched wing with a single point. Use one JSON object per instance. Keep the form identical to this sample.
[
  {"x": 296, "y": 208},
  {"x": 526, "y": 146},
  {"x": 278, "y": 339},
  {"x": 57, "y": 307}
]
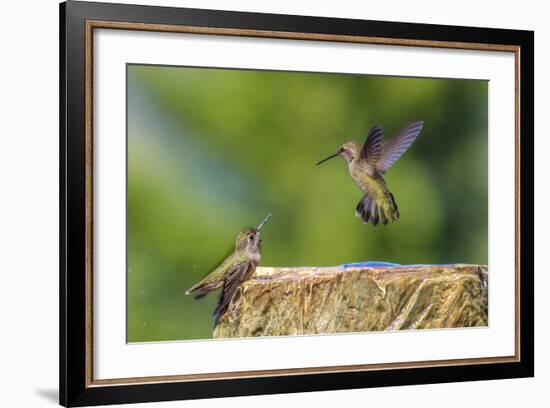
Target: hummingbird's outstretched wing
[
  {"x": 232, "y": 281},
  {"x": 394, "y": 148},
  {"x": 372, "y": 147}
]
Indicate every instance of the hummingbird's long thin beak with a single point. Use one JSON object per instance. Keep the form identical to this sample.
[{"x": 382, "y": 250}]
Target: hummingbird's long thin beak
[
  {"x": 332, "y": 156},
  {"x": 263, "y": 222}
]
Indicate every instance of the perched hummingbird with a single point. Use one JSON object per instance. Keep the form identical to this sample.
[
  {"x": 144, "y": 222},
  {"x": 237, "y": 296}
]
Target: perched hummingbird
[
  {"x": 368, "y": 164},
  {"x": 237, "y": 268}
]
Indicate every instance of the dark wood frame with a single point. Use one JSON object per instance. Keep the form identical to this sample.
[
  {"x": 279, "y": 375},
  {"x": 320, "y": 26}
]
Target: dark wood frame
[{"x": 77, "y": 22}]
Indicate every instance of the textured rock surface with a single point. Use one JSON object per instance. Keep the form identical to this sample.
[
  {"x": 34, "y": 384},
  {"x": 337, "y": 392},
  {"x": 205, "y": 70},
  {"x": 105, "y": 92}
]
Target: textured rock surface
[{"x": 310, "y": 300}]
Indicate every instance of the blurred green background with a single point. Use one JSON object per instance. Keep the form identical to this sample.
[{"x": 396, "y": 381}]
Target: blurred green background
[{"x": 211, "y": 151}]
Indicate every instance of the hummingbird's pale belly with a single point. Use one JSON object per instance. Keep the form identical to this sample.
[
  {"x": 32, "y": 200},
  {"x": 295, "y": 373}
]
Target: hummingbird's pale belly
[
  {"x": 378, "y": 203},
  {"x": 373, "y": 186}
]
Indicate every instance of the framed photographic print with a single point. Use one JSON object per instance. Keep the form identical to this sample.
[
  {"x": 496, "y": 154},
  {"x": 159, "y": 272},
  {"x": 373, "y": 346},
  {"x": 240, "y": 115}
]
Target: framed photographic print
[{"x": 256, "y": 203}]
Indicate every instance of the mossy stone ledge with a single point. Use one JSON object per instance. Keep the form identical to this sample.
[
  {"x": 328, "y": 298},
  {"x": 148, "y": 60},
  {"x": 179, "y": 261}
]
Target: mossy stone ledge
[{"x": 283, "y": 301}]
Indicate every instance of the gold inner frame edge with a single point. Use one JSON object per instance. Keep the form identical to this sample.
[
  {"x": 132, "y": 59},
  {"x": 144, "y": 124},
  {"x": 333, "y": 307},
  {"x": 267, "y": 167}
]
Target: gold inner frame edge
[{"x": 98, "y": 24}]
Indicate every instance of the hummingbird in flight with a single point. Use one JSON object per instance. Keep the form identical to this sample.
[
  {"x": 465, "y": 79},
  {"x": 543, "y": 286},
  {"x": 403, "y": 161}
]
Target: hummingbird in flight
[
  {"x": 236, "y": 269},
  {"x": 368, "y": 164}
]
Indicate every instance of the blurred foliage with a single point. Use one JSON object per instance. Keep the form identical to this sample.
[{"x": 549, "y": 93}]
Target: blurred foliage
[{"x": 211, "y": 151}]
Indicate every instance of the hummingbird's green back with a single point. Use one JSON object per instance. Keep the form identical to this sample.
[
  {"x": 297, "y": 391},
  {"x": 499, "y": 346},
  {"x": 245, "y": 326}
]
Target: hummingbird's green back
[{"x": 218, "y": 274}]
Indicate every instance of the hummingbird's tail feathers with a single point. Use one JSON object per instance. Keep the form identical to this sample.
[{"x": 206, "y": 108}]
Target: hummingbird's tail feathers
[
  {"x": 394, "y": 209},
  {"x": 192, "y": 289},
  {"x": 383, "y": 211},
  {"x": 202, "y": 289}
]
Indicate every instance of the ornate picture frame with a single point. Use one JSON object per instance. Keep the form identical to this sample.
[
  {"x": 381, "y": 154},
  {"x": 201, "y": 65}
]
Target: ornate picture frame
[{"x": 78, "y": 23}]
